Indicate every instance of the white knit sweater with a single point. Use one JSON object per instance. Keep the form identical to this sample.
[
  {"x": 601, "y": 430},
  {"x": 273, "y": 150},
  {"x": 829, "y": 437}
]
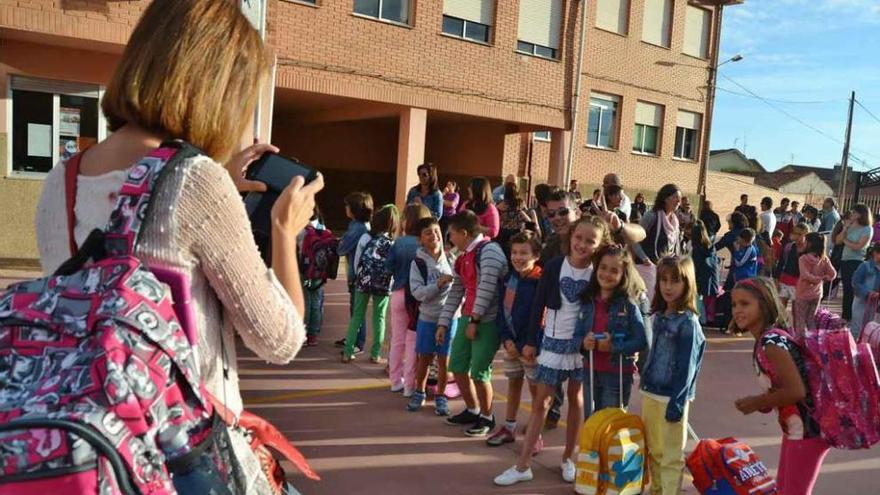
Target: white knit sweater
[{"x": 199, "y": 227}]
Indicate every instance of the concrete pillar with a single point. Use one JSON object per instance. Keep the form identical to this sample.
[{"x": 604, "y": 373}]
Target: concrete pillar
[
  {"x": 559, "y": 143},
  {"x": 410, "y": 151}
]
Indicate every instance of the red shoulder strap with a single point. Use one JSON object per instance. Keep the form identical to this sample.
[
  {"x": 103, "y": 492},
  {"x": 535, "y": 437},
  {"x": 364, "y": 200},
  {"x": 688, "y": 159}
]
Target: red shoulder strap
[{"x": 71, "y": 171}]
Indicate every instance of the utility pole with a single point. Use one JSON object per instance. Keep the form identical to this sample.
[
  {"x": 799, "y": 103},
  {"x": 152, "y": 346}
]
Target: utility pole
[{"x": 844, "y": 162}]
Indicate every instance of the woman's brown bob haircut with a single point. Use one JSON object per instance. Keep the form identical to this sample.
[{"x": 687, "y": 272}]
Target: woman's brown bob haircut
[{"x": 191, "y": 70}]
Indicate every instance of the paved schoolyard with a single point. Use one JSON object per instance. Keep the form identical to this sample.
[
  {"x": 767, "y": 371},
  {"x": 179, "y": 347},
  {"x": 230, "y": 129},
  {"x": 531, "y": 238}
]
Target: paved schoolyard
[{"x": 360, "y": 438}]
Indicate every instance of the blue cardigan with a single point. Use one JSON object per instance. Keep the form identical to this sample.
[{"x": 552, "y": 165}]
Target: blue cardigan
[
  {"x": 517, "y": 327},
  {"x": 433, "y": 201}
]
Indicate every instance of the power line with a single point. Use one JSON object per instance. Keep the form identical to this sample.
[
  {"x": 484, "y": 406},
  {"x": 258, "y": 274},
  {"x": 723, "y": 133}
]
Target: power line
[
  {"x": 793, "y": 117},
  {"x": 787, "y": 102},
  {"x": 866, "y": 109}
]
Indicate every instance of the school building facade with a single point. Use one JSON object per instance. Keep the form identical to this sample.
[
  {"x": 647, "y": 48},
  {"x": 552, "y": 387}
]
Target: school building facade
[{"x": 365, "y": 90}]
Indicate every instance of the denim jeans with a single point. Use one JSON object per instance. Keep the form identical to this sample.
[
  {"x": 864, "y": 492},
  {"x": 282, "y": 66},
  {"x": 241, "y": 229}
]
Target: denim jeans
[
  {"x": 314, "y": 316},
  {"x": 606, "y": 390}
]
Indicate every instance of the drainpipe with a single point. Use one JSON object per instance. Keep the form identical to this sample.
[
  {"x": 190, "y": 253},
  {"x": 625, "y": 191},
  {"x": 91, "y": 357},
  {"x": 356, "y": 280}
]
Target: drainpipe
[{"x": 575, "y": 97}]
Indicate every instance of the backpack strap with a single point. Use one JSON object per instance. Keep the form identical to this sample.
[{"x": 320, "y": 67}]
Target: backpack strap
[
  {"x": 71, "y": 172},
  {"x": 133, "y": 204},
  {"x": 422, "y": 267}
]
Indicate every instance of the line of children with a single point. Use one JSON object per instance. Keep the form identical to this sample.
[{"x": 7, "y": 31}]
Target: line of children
[
  {"x": 430, "y": 279},
  {"x": 668, "y": 382},
  {"x": 478, "y": 271},
  {"x": 402, "y": 351},
  {"x": 373, "y": 281},
  {"x": 554, "y": 318},
  {"x": 513, "y": 321}
]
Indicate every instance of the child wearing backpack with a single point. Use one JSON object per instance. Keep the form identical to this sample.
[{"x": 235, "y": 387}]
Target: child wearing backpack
[
  {"x": 787, "y": 268},
  {"x": 707, "y": 269},
  {"x": 373, "y": 281},
  {"x": 430, "y": 279},
  {"x": 669, "y": 380},
  {"x": 359, "y": 210},
  {"x": 513, "y": 320},
  {"x": 478, "y": 271},
  {"x": 313, "y": 288},
  {"x": 615, "y": 331},
  {"x": 866, "y": 284},
  {"x": 815, "y": 268},
  {"x": 402, "y": 351},
  {"x": 745, "y": 257},
  {"x": 554, "y": 317},
  {"x": 781, "y": 368}
]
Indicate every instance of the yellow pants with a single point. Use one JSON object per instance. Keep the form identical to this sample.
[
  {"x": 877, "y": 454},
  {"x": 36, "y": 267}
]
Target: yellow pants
[{"x": 666, "y": 442}]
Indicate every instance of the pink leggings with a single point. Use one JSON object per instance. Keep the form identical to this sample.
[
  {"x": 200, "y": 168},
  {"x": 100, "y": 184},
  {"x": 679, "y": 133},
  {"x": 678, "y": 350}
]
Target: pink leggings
[
  {"x": 799, "y": 465},
  {"x": 402, "y": 354}
]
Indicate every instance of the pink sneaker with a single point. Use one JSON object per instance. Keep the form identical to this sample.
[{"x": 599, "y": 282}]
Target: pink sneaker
[
  {"x": 452, "y": 391},
  {"x": 539, "y": 446},
  {"x": 500, "y": 437}
]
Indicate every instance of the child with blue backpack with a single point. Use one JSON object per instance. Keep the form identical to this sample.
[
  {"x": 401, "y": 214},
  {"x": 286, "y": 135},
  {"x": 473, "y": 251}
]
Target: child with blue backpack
[
  {"x": 430, "y": 278},
  {"x": 669, "y": 380},
  {"x": 373, "y": 281},
  {"x": 514, "y": 310}
]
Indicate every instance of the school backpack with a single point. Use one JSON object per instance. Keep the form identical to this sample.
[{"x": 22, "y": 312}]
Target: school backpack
[
  {"x": 319, "y": 256},
  {"x": 843, "y": 381},
  {"x": 412, "y": 304},
  {"x": 612, "y": 451},
  {"x": 101, "y": 390},
  {"x": 729, "y": 467},
  {"x": 372, "y": 276}
]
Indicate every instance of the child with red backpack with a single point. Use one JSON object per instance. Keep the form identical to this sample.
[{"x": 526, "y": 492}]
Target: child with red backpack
[
  {"x": 319, "y": 262},
  {"x": 782, "y": 370}
]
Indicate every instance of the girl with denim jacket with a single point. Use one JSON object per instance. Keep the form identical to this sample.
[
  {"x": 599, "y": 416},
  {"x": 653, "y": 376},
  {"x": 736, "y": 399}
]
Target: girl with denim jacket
[
  {"x": 614, "y": 328},
  {"x": 669, "y": 381},
  {"x": 865, "y": 283}
]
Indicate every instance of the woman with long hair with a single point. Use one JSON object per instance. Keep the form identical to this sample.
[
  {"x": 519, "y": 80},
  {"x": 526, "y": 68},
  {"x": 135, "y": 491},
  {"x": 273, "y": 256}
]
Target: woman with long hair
[
  {"x": 514, "y": 216},
  {"x": 661, "y": 225},
  {"x": 480, "y": 202},
  {"x": 427, "y": 191},
  {"x": 192, "y": 70},
  {"x": 855, "y": 237}
]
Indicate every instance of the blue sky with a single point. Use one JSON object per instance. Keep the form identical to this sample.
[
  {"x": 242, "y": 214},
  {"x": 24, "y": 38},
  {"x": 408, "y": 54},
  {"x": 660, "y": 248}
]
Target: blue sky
[{"x": 800, "y": 51}]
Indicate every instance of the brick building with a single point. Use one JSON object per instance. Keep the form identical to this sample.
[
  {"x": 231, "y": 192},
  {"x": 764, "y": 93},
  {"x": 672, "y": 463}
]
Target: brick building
[{"x": 375, "y": 87}]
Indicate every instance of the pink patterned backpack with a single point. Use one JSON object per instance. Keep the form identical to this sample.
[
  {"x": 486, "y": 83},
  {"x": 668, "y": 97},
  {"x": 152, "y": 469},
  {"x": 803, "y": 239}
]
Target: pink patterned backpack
[
  {"x": 843, "y": 381},
  {"x": 100, "y": 390}
]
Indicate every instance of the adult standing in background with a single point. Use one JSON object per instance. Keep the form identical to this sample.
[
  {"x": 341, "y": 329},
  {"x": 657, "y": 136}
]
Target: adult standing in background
[
  {"x": 498, "y": 192},
  {"x": 625, "y": 203},
  {"x": 427, "y": 191},
  {"x": 768, "y": 219},
  {"x": 480, "y": 202},
  {"x": 748, "y": 210},
  {"x": 573, "y": 192},
  {"x": 855, "y": 237},
  {"x": 661, "y": 225},
  {"x": 639, "y": 208},
  {"x": 710, "y": 219},
  {"x": 830, "y": 216}
]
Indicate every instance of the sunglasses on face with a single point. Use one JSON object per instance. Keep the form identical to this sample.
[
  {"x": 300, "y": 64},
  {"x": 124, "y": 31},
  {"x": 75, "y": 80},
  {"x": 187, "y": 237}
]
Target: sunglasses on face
[{"x": 560, "y": 212}]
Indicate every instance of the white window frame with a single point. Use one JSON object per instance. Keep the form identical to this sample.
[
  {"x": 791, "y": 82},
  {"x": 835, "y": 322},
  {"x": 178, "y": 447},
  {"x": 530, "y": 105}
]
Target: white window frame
[
  {"x": 56, "y": 112},
  {"x": 602, "y": 112},
  {"x": 408, "y": 23},
  {"x": 641, "y": 150},
  {"x": 464, "y": 26},
  {"x": 543, "y": 136},
  {"x": 677, "y": 153}
]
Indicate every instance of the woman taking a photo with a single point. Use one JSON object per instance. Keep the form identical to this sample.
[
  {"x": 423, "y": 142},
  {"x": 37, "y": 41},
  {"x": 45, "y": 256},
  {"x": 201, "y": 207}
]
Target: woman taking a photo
[
  {"x": 427, "y": 191},
  {"x": 198, "y": 226}
]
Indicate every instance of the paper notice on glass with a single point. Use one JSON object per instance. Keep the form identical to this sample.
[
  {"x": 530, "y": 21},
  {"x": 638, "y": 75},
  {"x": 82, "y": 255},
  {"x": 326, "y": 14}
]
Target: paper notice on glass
[
  {"x": 69, "y": 125},
  {"x": 39, "y": 140}
]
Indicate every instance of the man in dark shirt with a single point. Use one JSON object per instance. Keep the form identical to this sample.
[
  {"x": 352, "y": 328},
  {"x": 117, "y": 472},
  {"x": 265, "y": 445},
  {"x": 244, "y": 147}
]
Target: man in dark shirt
[
  {"x": 748, "y": 210},
  {"x": 710, "y": 219}
]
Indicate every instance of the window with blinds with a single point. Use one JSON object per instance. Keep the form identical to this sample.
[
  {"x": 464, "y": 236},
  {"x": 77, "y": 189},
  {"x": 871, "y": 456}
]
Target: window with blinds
[
  {"x": 396, "y": 11},
  {"x": 468, "y": 19},
  {"x": 687, "y": 135},
  {"x": 657, "y": 22},
  {"x": 648, "y": 123},
  {"x": 602, "y": 122},
  {"x": 697, "y": 25},
  {"x": 540, "y": 23},
  {"x": 613, "y": 15}
]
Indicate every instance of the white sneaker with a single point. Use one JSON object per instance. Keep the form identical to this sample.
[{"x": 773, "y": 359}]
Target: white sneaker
[
  {"x": 407, "y": 392},
  {"x": 513, "y": 476},
  {"x": 397, "y": 387},
  {"x": 569, "y": 472}
]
